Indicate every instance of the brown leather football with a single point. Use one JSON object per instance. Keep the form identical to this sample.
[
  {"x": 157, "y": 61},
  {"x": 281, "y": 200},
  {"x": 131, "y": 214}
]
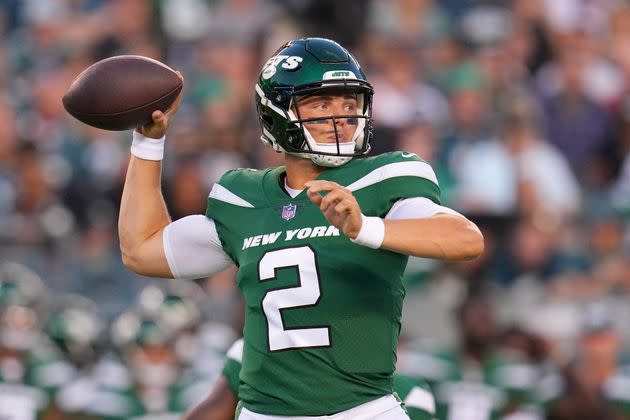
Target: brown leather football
[{"x": 121, "y": 92}]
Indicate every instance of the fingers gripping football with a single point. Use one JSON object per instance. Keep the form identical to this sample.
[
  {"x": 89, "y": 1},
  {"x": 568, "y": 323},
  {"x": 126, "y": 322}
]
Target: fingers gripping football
[
  {"x": 161, "y": 120},
  {"x": 339, "y": 206}
]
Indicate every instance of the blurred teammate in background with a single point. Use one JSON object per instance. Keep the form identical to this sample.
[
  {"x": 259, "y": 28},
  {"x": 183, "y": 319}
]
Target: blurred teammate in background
[
  {"x": 321, "y": 243},
  {"x": 141, "y": 376},
  {"x": 594, "y": 384},
  {"x": 31, "y": 367}
]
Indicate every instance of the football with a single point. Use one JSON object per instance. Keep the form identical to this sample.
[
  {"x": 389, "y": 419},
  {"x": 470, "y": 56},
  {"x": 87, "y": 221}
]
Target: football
[{"x": 121, "y": 92}]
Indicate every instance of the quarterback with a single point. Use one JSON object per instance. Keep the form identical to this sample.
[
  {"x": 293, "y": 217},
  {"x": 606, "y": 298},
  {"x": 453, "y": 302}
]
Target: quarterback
[{"x": 320, "y": 243}]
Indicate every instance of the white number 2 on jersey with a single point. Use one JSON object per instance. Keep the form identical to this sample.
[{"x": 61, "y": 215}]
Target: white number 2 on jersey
[{"x": 307, "y": 293}]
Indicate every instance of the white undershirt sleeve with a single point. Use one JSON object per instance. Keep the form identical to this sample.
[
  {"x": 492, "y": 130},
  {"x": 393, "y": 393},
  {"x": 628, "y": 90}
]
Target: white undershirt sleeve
[
  {"x": 417, "y": 208},
  {"x": 193, "y": 249}
]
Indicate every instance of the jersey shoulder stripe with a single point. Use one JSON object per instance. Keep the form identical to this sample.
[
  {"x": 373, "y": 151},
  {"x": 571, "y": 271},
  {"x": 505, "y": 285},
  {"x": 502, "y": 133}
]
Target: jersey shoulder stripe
[
  {"x": 380, "y": 181},
  {"x": 391, "y": 170},
  {"x": 241, "y": 187},
  {"x": 371, "y": 163},
  {"x": 219, "y": 192}
]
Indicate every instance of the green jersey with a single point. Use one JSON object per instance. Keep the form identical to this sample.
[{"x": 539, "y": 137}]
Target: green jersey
[
  {"x": 415, "y": 393},
  {"x": 322, "y": 314}
]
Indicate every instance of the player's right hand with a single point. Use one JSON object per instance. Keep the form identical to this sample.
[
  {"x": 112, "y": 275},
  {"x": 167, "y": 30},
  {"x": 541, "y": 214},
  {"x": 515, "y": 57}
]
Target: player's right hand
[
  {"x": 161, "y": 120},
  {"x": 339, "y": 206}
]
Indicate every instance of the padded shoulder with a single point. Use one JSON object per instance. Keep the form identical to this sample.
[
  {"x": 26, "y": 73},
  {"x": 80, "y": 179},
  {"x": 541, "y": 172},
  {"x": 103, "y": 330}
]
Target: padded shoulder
[
  {"x": 240, "y": 187},
  {"x": 384, "y": 179},
  {"x": 375, "y": 169}
]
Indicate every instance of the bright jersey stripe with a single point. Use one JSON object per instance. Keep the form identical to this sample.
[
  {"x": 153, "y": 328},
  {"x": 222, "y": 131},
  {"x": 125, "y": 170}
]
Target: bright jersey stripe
[
  {"x": 392, "y": 170},
  {"x": 219, "y": 192}
]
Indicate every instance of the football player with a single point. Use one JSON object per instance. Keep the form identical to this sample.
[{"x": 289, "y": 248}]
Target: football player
[
  {"x": 221, "y": 402},
  {"x": 133, "y": 384},
  {"x": 488, "y": 376},
  {"x": 321, "y": 243}
]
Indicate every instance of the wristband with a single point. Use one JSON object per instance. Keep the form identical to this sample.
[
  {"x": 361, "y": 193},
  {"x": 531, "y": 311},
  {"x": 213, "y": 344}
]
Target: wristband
[
  {"x": 147, "y": 148},
  {"x": 372, "y": 232}
]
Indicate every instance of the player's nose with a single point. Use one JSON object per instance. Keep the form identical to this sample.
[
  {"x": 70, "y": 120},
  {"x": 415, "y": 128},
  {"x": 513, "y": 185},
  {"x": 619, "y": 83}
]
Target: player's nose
[{"x": 338, "y": 110}]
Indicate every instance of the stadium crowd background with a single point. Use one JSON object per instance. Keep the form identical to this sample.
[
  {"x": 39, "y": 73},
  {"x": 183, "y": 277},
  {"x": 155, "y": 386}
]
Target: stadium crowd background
[{"x": 522, "y": 107}]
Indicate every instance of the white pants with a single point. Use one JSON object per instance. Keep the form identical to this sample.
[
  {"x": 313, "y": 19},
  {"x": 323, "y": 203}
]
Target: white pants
[{"x": 384, "y": 408}]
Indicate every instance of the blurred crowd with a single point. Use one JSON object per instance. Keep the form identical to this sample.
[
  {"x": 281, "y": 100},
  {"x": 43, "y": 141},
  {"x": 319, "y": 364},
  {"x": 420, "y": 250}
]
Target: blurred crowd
[{"x": 522, "y": 107}]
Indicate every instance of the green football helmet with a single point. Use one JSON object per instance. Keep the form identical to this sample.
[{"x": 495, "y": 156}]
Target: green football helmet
[
  {"x": 132, "y": 329},
  {"x": 22, "y": 294},
  {"x": 174, "y": 305},
  {"x": 304, "y": 67},
  {"x": 19, "y": 284},
  {"x": 75, "y": 325}
]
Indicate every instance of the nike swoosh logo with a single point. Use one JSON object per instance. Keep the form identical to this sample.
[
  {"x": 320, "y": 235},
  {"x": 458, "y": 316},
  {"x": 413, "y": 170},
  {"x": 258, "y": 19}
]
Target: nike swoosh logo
[{"x": 407, "y": 154}]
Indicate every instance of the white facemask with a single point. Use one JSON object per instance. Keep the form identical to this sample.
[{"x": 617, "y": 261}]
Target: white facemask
[{"x": 345, "y": 148}]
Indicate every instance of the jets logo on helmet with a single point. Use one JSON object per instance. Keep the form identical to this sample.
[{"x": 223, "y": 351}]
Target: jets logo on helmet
[
  {"x": 338, "y": 74},
  {"x": 313, "y": 66},
  {"x": 271, "y": 67}
]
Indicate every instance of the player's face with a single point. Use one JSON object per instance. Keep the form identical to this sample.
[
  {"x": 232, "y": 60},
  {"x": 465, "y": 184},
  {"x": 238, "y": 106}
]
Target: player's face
[{"x": 329, "y": 130}]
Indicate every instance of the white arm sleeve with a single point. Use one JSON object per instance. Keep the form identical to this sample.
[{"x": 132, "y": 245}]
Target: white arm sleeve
[
  {"x": 193, "y": 249},
  {"x": 417, "y": 208}
]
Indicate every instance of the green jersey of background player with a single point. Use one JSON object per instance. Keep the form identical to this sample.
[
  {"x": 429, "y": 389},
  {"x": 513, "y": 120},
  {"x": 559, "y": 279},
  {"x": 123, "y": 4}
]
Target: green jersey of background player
[
  {"x": 220, "y": 404},
  {"x": 321, "y": 243}
]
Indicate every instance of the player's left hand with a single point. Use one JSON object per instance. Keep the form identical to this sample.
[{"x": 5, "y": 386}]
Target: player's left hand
[{"x": 339, "y": 206}]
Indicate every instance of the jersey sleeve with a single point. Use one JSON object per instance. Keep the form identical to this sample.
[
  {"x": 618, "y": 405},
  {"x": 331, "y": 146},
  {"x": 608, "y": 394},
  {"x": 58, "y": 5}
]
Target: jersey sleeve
[
  {"x": 231, "y": 202},
  {"x": 395, "y": 176},
  {"x": 232, "y": 366},
  {"x": 417, "y": 208},
  {"x": 193, "y": 249}
]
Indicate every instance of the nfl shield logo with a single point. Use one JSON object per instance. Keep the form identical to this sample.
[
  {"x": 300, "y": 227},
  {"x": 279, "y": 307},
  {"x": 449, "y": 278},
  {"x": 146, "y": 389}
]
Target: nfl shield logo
[{"x": 288, "y": 211}]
